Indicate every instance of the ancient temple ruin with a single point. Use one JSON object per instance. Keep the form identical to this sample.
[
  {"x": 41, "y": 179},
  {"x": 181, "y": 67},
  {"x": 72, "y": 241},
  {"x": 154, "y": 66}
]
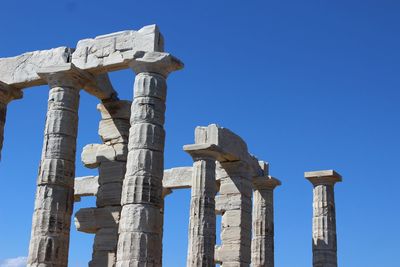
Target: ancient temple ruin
[{"x": 225, "y": 178}]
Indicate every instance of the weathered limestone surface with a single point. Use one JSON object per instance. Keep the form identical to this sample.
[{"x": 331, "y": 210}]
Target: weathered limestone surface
[
  {"x": 324, "y": 217},
  {"x": 177, "y": 178},
  {"x": 85, "y": 186},
  {"x": 55, "y": 185},
  {"x": 263, "y": 219},
  {"x": 140, "y": 228},
  {"x": 234, "y": 204},
  {"x": 23, "y": 71},
  {"x": 7, "y": 94},
  {"x": 236, "y": 169},
  {"x": 201, "y": 247},
  {"x": 114, "y": 51},
  {"x": 110, "y": 159},
  {"x": 232, "y": 147}
]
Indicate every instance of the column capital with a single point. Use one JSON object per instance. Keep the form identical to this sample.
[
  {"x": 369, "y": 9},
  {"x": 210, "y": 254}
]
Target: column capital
[
  {"x": 64, "y": 75},
  {"x": 155, "y": 62},
  {"x": 204, "y": 151},
  {"x": 69, "y": 75},
  {"x": 265, "y": 182},
  {"x": 325, "y": 177},
  {"x": 8, "y": 93}
]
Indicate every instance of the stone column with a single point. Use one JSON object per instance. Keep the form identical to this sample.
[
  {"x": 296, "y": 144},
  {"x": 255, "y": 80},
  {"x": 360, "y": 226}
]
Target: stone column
[
  {"x": 324, "y": 219},
  {"x": 234, "y": 204},
  {"x": 140, "y": 228},
  {"x": 110, "y": 159},
  {"x": 55, "y": 184},
  {"x": 262, "y": 245},
  {"x": 202, "y": 220},
  {"x": 7, "y": 94}
]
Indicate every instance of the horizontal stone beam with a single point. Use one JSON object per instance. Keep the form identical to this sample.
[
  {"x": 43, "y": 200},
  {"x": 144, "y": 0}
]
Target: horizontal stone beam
[
  {"x": 21, "y": 71},
  {"x": 97, "y": 56},
  {"x": 97, "y": 85},
  {"x": 114, "y": 51},
  {"x": 230, "y": 146},
  {"x": 174, "y": 178},
  {"x": 177, "y": 178},
  {"x": 85, "y": 186},
  {"x": 89, "y": 220},
  {"x": 24, "y": 71}
]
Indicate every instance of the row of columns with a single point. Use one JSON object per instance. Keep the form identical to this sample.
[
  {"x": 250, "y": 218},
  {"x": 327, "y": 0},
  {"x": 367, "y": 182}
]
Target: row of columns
[
  {"x": 235, "y": 249},
  {"x": 235, "y": 181},
  {"x": 140, "y": 235},
  {"x": 141, "y": 222}
]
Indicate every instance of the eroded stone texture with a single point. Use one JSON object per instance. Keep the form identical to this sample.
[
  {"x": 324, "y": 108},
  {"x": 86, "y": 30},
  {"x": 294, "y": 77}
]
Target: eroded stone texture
[
  {"x": 114, "y": 51},
  {"x": 110, "y": 159},
  {"x": 202, "y": 211},
  {"x": 234, "y": 204},
  {"x": 262, "y": 246},
  {"x": 140, "y": 236},
  {"x": 55, "y": 184},
  {"x": 85, "y": 186},
  {"x": 7, "y": 93},
  {"x": 324, "y": 218},
  {"x": 21, "y": 71}
]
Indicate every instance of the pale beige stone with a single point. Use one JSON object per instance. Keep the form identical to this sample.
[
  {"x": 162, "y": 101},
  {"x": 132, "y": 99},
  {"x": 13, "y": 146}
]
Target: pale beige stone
[
  {"x": 262, "y": 245},
  {"x": 324, "y": 244},
  {"x": 54, "y": 195}
]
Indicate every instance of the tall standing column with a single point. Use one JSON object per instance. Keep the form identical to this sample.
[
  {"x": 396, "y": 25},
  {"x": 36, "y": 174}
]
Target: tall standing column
[
  {"x": 55, "y": 184},
  {"x": 324, "y": 244},
  {"x": 262, "y": 245},
  {"x": 140, "y": 228},
  {"x": 202, "y": 220},
  {"x": 234, "y": 203},
  {"x": 7, "y": 94}
]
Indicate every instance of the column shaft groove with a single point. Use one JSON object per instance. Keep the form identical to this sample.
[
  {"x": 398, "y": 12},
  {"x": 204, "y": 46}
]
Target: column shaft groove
[{"x": 55, "y": 184}]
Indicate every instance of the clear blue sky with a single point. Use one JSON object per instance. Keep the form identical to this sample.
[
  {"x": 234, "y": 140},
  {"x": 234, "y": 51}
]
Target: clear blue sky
[{"x": 309, "y": 85}]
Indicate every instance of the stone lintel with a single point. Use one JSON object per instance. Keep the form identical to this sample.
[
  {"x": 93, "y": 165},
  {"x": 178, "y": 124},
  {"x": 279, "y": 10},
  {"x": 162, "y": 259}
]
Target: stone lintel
[
  {"x": 177, "y": 178},
  {"x": 232, "y": 146},
  {"x": 323, "y": 177},
  {"x": 68, "y": 74},
  {"x": 140, "y": 50},
  {"x": 85, "y": 186},
  {"x": 21, "y": 71},
  {"x": 114, "y": 51},
  {"x": 174, "y": 178},
  {"x": 89, "y": 220},
  {"x": 8, "y": 93}
]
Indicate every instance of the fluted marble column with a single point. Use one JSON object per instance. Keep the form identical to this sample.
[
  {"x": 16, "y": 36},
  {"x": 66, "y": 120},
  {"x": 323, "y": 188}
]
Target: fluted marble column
[
  {"x": 324, "y": 244},
  {"x": 202, "y": 220},
  {"x": 140, "y": 228},
  {"x": 262, "y": 245},
  {"x": 7, "y": 94},
  {"x": 55, "y": 184}
]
